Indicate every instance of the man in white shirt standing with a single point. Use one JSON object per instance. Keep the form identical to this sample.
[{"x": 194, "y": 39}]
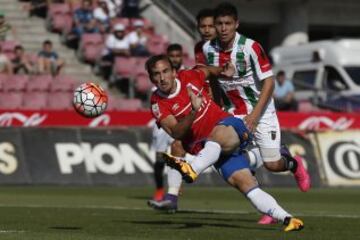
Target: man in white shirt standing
[
  {"x": 138, "y": 40},
  {"x": 117, "y": 44}
]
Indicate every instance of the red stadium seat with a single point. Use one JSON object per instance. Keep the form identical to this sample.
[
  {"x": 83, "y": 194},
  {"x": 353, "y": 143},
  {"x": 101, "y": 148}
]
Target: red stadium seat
[
  {"x": 157, "y": 44},
  {"x": 11, "y": 100},
  {"x": 129, "y": 104},
  {"x": 34, "y": 100},
  {"x": 91, "y": 46},
  {"x": 8, "y": 48},
  {"x": 62, "y": 22},
  {"x": 143, "y": 83},
  {"x": 140, "y": 66},
  {"x": 3, "y": 79},
  {"x": 60, "y": 17},
  {"x": 16, "y": 83},
  {"x": 39, "y": 83},
  {"x": 124, "y": 67},
  {"x": 59, "y": 8},
  {"x": 113, "y": 103},
  {"x": 60, "y": 101},
  {"x": 91, "y": 38},
  {"x": 189, "y": 62},
  {"x": 63, "y": 83},
  {"x": 91, "y": 53},
  {"x": 124, "y": 104}
]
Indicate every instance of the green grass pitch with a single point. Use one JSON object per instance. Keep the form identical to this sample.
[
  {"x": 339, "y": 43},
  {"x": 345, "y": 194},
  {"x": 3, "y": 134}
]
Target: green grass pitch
[{"x": 221, "y": 213}]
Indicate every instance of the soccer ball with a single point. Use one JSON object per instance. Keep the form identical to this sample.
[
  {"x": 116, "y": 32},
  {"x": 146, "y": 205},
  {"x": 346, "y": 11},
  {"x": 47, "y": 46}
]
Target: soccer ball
[{"x": 90, "y": 100}]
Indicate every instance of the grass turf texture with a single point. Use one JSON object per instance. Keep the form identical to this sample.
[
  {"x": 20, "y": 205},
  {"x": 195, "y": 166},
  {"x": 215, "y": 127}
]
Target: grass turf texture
[{"x": 121, "y": 213}]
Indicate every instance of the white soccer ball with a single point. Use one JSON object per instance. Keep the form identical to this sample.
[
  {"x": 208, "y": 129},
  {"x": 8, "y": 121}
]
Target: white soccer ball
[{"x": 90, "y": 100}]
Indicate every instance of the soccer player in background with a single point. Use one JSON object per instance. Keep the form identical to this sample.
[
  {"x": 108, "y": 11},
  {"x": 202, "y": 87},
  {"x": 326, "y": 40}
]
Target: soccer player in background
[
  {"x": 250, "y": 91},
  {"x": 160, "y": 143},
  {"x": 175, "y": 53},
  {"x": 183, "y": 109}
]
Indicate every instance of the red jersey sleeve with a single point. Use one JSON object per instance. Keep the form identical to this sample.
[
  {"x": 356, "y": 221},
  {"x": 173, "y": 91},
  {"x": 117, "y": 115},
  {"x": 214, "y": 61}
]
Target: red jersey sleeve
[
  {"x": 158, "y": 108},
  {"x": 194, "y": 76},
  {"x": 199, "y": 54}
]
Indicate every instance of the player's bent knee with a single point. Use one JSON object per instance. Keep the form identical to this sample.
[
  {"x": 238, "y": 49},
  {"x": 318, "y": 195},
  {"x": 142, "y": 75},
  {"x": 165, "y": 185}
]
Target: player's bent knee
[
  {"x": 226, "y": 137},
  {"x": 243, "y": 180}
]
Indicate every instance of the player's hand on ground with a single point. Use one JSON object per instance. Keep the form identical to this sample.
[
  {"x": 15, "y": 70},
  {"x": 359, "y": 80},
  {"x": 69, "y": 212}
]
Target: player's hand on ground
[
  {"x": 251, "y": 122},
  {"x": 228, "y": 70},
  {"x": 196, "y": 100}
]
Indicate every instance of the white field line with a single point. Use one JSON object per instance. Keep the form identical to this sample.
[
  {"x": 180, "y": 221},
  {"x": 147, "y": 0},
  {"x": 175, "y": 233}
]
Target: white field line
[
  {"x": 216, "y": 211},
  {"x": 11, "y": 231}
]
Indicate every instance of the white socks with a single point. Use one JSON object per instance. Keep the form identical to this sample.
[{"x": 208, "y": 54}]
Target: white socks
[
  {"x": 266, "y": 204},
  {"x": 174, "y": 177},
  {"x": 174, "y": 181},
  {"x": 206, "y": 157}
]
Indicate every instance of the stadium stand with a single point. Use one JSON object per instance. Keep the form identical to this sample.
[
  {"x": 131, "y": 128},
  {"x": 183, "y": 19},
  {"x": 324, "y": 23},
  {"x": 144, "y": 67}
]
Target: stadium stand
[
  {"x": 60, "y": 20},
  {"x": 11, "y": 100}
]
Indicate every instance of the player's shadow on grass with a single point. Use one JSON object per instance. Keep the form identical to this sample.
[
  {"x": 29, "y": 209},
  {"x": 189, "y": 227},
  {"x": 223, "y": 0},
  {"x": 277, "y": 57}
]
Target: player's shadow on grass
[
  {"x": 139, "y": 197},
  {"x": 188, "y": 225},
  {"x": 65, "y": 228},
  {"x": 221, "y": 219}
]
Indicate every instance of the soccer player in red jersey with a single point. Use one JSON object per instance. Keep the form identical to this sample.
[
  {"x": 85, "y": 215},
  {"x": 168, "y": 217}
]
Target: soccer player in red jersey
[{"x": 182, "y": 108}]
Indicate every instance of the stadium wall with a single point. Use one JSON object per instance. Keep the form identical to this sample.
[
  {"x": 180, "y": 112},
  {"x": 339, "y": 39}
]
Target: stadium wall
[{"x": 123, "y": 157}]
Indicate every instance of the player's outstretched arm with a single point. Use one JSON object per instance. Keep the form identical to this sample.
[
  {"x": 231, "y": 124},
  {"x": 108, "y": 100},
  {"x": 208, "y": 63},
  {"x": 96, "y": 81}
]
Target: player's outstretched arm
[
  {"x": 227, "y": 70},
  {"x": 179, "y": 129}
]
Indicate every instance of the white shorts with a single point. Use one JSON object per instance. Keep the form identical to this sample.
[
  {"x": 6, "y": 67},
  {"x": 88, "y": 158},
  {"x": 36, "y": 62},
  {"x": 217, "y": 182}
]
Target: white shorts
[
  {"x": 160, "y": 139},
  {"x": 268, "y": 138}
]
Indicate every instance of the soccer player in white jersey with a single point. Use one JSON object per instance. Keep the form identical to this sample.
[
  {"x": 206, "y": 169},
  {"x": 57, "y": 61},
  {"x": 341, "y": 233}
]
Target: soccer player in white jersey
[{"x": 250, "y": 91}]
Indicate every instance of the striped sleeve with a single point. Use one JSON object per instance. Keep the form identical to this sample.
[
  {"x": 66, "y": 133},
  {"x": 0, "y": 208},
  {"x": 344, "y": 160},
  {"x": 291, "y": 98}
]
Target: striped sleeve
[{"x": 259, "y": 61}]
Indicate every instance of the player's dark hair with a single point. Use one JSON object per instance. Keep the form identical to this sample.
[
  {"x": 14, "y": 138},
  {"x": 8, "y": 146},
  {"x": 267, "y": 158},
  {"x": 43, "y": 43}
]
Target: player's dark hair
[
  {"x": 280, "y": 73},
  {"x": 151, "y": 62},
  {"x": 174, "y": 47},
  {"x": 226, "y": 9},
  {"x": 19, "y": 47},
  {"x": 47, "y": 42},
  {"x": 203, "y": 13}
]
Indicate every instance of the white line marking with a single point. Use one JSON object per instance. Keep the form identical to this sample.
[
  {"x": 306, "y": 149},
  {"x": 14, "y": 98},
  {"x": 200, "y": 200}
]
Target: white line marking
[
  {"x": 11, "y": 231},
  {"x": 215, "y": 211}
]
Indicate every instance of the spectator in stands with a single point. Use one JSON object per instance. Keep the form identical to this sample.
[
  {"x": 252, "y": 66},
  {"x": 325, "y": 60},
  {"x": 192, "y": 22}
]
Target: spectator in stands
[
  {"x": 117, "y": 44},
  {"x": 21, "y": 63},
  {"x": 38, "y": 8},
  {"x": 130, "y": 9},
  {"x": 103, "y": 16},
  {"x": 49, "y": 61},
  {"x": 5, "y": 63},
  {"x": 138, "y": 40},
  {"x": 114, "y": 7},
  {"x": 175, "y": 54},
  {"x": 5, "y": 28},
  {"x": 83, "y": 20},
  {"x": 284, "y": 93}
]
